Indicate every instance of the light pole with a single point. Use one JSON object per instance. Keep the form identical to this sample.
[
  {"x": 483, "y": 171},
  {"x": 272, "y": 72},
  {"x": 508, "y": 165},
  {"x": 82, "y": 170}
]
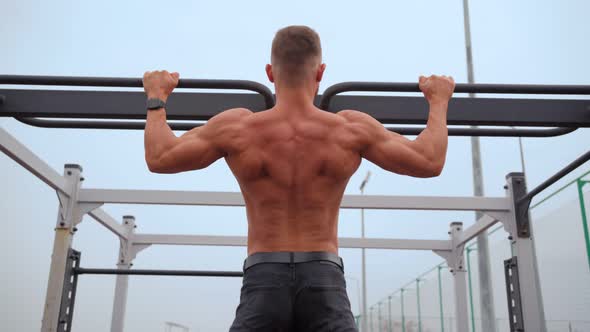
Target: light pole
[
  {"x": 486, "y": 298},
  {"x": 363, "y": 267}
]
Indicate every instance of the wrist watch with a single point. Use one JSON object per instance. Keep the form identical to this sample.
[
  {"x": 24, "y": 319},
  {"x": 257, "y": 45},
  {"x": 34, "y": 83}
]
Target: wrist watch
[{"x": 155, "y": 104}]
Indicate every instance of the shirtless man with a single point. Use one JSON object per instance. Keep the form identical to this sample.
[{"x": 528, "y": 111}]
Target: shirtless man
[{"x": 292, "y": 163}]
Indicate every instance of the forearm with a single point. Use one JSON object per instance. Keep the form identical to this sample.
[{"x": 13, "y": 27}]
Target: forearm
[
  {"x": 433, "y": 139},
  {"x": 158, "y": 137}
]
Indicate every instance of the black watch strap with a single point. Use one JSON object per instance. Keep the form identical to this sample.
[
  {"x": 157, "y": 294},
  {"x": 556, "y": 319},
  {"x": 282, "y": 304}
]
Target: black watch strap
[{"x": 155, "y": 104}]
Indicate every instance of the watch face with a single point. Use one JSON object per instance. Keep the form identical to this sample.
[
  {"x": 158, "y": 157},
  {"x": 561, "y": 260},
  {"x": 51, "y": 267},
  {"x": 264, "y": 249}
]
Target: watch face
[{"x": 153, "y": 104}]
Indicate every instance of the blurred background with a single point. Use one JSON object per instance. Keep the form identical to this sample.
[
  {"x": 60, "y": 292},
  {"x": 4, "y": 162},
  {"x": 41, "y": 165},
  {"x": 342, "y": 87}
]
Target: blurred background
[{"x": 528, "y": 41}]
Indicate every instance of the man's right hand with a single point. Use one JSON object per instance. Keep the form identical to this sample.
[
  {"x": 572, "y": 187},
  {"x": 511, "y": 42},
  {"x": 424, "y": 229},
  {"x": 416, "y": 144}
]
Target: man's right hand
[{"x": 437, "y": 89}]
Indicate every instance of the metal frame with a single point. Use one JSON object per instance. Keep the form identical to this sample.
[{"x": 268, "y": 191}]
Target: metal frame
[
  {"x": 28, "y": 105},
  {"x": 68, "y": 295},
  {"x": 75, "y": 202},
  {"x": 515, "y": 319},
  {"x": 456, "y": 263},
  {"x": 127, "y": 253}
]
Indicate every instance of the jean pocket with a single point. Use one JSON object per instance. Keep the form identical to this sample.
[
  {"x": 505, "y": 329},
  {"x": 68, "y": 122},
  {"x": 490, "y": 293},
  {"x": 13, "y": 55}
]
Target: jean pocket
[{"x": 332, "y": 264}]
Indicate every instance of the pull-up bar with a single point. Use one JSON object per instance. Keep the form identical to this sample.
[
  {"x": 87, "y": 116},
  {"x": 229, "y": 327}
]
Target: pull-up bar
[
  {"x": 124, "y": 82},
  {"x": 179, "y": 273},
  {"x": 333, "y": 90},
  {"x": 28, "y": 106},
  {"x": 533, "y": 89}
]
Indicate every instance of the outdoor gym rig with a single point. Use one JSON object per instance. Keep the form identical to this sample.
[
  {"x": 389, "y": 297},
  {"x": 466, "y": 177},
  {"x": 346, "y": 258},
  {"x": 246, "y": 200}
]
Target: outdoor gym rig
[{"x": 114, "y": 110}]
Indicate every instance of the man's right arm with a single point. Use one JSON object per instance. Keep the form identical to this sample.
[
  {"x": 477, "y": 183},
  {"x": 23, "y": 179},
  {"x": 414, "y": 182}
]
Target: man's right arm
[{"x": 423, "y": 157}]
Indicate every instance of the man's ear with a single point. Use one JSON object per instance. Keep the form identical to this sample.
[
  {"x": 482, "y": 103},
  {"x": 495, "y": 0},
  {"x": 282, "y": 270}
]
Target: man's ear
[
  {"x": 320, "y": 72},
  {"x": 269, "y": 74}
]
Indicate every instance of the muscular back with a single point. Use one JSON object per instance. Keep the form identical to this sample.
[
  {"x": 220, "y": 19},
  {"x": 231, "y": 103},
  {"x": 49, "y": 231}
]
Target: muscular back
[
  {"x": 293, "y": 163},
  {"x": 292, "y": 167}
]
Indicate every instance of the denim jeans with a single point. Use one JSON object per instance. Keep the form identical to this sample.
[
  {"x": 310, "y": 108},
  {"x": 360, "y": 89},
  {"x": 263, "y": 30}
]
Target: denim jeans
[{"x": 283, "y": 297}]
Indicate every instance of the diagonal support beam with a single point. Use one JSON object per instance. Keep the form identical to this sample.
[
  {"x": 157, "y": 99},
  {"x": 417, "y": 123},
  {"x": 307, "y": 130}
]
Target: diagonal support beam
[
  {"x": 31, "y": 162},
  {"x": 109, "y": 222},
  {"x": 474, "y": 230}
]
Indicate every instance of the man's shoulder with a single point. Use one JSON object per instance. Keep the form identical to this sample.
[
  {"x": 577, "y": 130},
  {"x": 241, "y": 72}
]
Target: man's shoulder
[
  {"x": 352, "y": 115},
  {"x": 233, "y": 114},
  {"x": 236, "y": 112}
]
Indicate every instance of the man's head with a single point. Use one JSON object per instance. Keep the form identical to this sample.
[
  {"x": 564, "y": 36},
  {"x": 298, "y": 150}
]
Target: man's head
[{"x": 296, "y": 57}]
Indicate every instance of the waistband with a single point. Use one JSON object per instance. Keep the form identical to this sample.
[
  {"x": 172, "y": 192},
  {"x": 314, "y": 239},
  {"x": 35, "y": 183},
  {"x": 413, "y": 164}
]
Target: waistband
[{"x": 291, "y": 258}]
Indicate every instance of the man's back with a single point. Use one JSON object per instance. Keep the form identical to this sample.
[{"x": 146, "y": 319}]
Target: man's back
[
  {"x": 293, "y": 166},
  {"x": 293, "y": 163}
]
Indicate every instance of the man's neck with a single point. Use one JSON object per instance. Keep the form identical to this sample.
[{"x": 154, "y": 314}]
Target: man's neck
[{"x": 294, "y": 98}]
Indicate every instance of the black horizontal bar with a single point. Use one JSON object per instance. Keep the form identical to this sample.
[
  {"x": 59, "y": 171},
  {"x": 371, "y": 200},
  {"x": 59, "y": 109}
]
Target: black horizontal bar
[
  {"x": 459, "y": 88},
  {"x": 138, "y": 83},
  {"x": 556, "y": 177},
  {"x": 186, "y": 273},
  {"x": 120, "y": 104},
  {"x": 491, "y": 132},
  {"x": 135, "y": 125},
  {"x": 386, "y": 109}
]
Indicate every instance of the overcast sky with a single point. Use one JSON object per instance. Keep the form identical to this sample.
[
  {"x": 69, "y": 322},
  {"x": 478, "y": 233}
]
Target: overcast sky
[{"x": 393, "y": 41}]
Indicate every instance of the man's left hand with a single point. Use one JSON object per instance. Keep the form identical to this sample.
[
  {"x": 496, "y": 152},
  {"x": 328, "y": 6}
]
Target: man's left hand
[{"x": 159, "y": 84}]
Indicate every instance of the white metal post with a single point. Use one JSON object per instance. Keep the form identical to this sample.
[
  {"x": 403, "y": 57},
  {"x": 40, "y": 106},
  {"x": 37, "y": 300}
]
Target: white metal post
[
  {"x": 68, "y": 217},
  {"x": 461, "y": 311},
  {"x": 124, "y": 263},
  {"x": 533, "y": 316},
  {"x": 456, "y": 262}
]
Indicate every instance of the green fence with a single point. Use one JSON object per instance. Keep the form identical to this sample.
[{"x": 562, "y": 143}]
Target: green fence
[{"x": 560, "y": 225}]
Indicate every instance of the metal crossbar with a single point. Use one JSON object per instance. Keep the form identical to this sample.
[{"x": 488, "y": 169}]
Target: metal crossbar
[{"x": 28, "y": 105}]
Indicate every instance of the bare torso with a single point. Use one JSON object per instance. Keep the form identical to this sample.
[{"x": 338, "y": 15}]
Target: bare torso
[
  {"x": 294, "y": 162},
  {"x": 292, "y": 168}
]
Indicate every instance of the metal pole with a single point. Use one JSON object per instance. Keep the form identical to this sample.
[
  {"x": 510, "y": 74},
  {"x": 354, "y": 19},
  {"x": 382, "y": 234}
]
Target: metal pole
[
  {"x": 485, "y": 284},
  {"x": 389, "y": 313},
  {"x": 469, "y": 250},
  {"x": 440, "y": 300},
  {"x": 521, "y": 154},
  {"x": 363, "y": 258},
  {"x": 580, "y": 184},
  {"x": 418, "y": 304},
  {"x": 461, "y": 300},
  {"x": 524, "y": 260},
  {"x": 68, "y": 216},
  {"x": 457, "y": 268},
  {"x": 403, "y": 313},
  {"x": 379, "y": 317},
  {"x": 371, "y": 318},
  {"x": 122, "y": 281}
]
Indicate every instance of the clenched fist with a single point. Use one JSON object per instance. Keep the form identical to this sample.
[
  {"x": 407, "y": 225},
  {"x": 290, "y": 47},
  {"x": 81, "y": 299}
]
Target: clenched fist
[
  {"x": 437, "y": 89},
  {"x": 159, "y": 84}
]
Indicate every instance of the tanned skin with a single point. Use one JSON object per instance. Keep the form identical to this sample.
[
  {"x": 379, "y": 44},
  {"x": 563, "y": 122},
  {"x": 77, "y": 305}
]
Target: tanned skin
[{"x": 293, "y": 161}]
